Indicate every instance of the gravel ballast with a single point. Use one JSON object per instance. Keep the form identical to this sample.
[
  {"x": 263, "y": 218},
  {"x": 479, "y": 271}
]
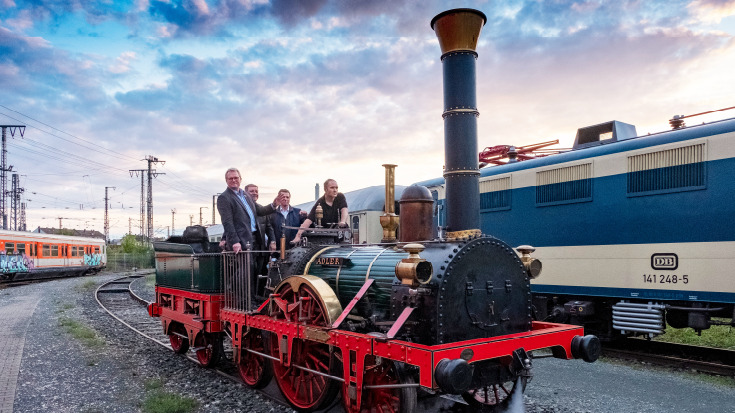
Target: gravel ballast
[{"x": 60, "y": 373}]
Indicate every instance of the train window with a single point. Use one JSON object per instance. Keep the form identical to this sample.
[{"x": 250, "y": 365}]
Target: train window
[
  {"x": 54, "y": 251},
  {"x": 21, "y": 248},
  {"x": 355, "y": 229},
  {"x": 46, "y": 250},
  {"x": 9, "y": 247},
  {"x": 33, "y": 250}
]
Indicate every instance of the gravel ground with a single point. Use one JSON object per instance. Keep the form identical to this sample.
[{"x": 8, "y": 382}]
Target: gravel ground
[{"x": 61, "y": 374}]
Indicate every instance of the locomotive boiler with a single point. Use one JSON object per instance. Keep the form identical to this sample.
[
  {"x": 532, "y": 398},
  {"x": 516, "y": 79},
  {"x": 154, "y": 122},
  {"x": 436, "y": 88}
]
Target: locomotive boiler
[
  {"x": 458, "y": 289},
  {"x": 374, "y": 323}
]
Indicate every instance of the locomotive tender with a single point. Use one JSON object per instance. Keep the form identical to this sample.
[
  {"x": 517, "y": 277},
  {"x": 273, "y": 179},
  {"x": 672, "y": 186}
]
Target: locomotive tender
[
  {"x": 634, "y": 231},
  {"x": 377, "y": 322}
]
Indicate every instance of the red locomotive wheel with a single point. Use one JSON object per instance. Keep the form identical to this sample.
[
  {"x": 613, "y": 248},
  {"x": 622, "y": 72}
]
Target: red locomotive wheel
[
  {"x": 209, "y": 349},
  {"x": 177, "y": 337},
  {"x": 385, "y": 400},
  {"x": 254, "y": 370},
  {"x": 305, "y": 390},
  {"x": 497, "y": 395}
]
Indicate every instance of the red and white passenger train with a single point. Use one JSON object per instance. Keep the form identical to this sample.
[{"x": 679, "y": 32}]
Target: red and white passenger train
[{"x": 30, "y": 255}]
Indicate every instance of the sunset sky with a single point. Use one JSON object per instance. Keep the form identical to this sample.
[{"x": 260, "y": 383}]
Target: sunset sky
[{"x": 293, "y": 92}]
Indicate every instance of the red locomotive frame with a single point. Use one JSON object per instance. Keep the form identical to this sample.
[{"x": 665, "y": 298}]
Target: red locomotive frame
[{"x": 298, "y": 325}]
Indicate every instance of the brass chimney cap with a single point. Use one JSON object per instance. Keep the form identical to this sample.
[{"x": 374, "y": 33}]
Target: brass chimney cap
[{"x": 458, "y": 29}]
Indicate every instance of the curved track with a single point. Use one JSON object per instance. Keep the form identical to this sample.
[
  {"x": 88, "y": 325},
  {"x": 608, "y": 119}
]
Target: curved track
[{"x": 118, "y": 299}]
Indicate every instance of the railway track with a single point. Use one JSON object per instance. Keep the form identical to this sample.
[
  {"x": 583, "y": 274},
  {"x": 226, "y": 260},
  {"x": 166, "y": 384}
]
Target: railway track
[
  {"x": 703, "y": 359},
  {"x": 118, "y": 299}
]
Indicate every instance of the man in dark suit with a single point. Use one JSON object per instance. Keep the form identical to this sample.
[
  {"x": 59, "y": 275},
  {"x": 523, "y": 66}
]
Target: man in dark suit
[
  {"x": 286, "y": 216},
  {"x": 268, "y": 238},
  {"x": 238, "y": 213}
]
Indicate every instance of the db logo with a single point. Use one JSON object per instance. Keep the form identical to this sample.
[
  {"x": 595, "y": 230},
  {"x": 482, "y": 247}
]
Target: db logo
[{"x": 664, "y": 261}]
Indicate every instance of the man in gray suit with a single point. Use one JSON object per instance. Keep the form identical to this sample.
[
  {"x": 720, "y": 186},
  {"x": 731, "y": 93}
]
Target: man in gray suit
[{"x": 239, "y": 215}]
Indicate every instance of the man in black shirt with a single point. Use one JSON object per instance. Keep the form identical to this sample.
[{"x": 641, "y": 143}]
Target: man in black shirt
[{"x": 334, "y": 206}]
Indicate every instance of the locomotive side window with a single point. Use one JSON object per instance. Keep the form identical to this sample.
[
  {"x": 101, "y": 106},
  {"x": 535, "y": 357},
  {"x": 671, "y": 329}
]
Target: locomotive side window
[{"x": 9, "y": 247}]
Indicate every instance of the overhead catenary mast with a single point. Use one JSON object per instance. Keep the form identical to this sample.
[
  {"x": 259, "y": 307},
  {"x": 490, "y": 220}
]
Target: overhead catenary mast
[
  {"x": 5, "y": 169},
  {"x": 151, "y": 174},
  {"x": 142, "y": 194},
  {"x": 107, "y": 219}
]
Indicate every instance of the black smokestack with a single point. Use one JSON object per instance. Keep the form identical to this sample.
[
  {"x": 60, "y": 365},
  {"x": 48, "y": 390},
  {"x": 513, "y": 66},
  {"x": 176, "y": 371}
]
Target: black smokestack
[{"x": 458, "y": 31}]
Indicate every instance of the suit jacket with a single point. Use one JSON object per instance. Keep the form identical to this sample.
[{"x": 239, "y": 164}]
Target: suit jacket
[
  {"x": 293, "y": 219},
  {"x": 236, "y": 220},
  {"x": 266, "y": 229}
]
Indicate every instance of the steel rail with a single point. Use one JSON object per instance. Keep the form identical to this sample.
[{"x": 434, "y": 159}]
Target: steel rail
[
  {"x": 703, "y": 359},
  {"x": 191, "y": 358},
  {"x": 97, "y": 297}
]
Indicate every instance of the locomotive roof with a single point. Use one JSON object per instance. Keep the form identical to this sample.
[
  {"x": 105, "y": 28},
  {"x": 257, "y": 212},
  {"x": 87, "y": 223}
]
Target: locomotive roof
[{"x": 678, "y": 135}]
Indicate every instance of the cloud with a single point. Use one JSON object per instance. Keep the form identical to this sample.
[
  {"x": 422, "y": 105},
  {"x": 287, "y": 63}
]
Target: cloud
[
  {"x": 294, "y": 92},
  {"x": 122, "y": 63},
  {"x": 712, "y": 11}
]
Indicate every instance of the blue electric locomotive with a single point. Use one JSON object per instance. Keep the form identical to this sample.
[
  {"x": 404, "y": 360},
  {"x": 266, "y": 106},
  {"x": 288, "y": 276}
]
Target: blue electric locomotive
[{"x": 634, "y": 231}]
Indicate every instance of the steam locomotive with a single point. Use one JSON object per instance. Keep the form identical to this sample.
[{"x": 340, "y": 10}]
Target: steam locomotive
[{"x": 376, "y": 323}]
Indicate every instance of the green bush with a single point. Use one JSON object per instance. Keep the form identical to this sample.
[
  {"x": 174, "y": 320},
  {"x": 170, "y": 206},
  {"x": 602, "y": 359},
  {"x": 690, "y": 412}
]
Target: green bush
[{"x": 131, "y": 245}]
